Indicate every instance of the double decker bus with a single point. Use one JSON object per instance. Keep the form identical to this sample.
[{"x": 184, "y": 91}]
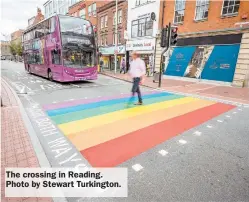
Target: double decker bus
[{"x": 61, "y": 48}]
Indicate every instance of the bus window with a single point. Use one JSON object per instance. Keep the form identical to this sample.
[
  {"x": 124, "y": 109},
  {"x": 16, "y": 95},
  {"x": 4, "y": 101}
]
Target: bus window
[{"x": 56, "y": 57}]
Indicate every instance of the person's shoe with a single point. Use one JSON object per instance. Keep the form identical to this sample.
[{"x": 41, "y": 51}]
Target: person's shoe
[{"x": 139, "y": 103}]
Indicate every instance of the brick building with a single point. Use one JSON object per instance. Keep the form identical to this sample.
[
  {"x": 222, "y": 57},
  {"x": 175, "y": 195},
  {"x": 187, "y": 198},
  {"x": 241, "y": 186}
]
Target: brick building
[
  {"x": 106, "y": 16},
  {"x": 17, "y": 36},
  {"x": 213, "y": 40},
  {"x": 86, "y": 10}
]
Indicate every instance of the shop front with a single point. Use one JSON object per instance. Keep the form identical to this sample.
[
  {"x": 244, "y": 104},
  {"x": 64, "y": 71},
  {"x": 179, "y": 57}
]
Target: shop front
[
  {"x": 145, "y": 48},
  {"x": 108, "y": 57}
]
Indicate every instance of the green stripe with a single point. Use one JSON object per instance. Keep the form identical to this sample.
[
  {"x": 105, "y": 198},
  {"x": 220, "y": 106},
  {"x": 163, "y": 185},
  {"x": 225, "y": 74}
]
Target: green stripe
[{"x": 74, "y": 116}]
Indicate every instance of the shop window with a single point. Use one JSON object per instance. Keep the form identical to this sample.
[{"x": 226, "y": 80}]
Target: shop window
[
  {"x": 230, "y": 7},
  {"x": 90, "y": 10},
  {"x": 201, "y": 11},
  {"x": 179, "y": 11},
  {"x": 105, "y": 40}
]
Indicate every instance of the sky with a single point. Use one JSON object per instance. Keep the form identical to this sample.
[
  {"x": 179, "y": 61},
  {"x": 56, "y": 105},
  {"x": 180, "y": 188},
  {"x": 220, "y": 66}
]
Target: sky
[{"x": 15, "y": 14}]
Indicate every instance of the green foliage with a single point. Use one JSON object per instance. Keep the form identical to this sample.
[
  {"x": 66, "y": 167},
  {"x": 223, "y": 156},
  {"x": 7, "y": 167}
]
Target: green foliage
[
  {"x": 19, "y": 48},
  {"x": 13, "y": 48},
  {"x": 16, "y": 48}
]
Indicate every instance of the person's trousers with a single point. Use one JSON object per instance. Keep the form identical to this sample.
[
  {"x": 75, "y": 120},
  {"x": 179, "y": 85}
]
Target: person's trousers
[{"x": 136, "y": 89}]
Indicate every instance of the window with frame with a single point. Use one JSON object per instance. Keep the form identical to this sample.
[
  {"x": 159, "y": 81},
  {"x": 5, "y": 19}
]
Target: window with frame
[
  {"x": 106, "y": 21},
  {"x": 119, "y": 38},
  {"x": 90, "y": 10},
  {"x": 94, "y": 10},
  {"x": 120, "y": 16},
  {"x": 113, "y": 38},
  {"x": 230, "y": 7},
  {"x": 83, "y": 13},
  {"x": 142, "y": 27},
  {"x": 102, "y": 22},
  {"x": 114, "y": 18},
  {"x": 179, "y": 11},
  {"x": 201, "y": 11},
  {"x": 105, "y": 40}
]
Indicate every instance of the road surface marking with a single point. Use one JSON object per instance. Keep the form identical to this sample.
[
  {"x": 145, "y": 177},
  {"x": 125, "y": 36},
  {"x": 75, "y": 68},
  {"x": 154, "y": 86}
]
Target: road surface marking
[
  {"x": 137, "y": 167},
  {"x": 228, "y": 116},
  {"x": 197, "y": 133},
  {"x": 181, "y": 141},
  {"x": 71, "y": 99},
  {"x": 220, "y": 121},
  {"x": 99, "y": 96},
  {"x": 209, "y": 126},
  {"x": 54, "y": 102},
  {"x": 85, "y": 97},
  {"x": 240, "y": 109},
  {"x": 234, "y": 112},
  {"x": 92, "y": 122},
  {"x": 163, "y": 152}
]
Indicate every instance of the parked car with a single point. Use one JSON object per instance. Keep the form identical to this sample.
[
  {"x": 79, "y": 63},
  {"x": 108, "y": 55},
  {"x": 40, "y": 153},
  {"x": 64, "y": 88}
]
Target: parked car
[{"x": 3, "y": 57}]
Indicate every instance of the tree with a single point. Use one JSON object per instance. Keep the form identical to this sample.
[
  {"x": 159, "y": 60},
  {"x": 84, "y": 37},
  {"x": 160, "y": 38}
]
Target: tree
[
  {"x": 13, "y": 48},
  {"x": 19, "y": 48}
]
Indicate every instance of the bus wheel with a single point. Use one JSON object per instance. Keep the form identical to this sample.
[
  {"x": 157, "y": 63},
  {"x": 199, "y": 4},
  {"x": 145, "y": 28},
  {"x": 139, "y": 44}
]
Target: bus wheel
[{"x": 50, "y": 75}]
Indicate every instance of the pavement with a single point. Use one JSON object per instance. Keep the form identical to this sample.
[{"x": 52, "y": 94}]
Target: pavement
[
  {"x": 17, "y": 150},
  {"x": 198, "y": 87},
  {"x": 177, "y": 147}
]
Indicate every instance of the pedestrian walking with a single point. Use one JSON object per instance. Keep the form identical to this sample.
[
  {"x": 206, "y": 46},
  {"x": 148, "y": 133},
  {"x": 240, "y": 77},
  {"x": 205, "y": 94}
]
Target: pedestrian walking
[
  {"x": 101, "y": 63},
  {"x": 123, "y": 66},
  {"x": 137, "y": 72}
]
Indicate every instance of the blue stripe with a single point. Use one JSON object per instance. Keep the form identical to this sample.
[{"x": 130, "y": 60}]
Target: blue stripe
[{"x": 61, "y": 111}]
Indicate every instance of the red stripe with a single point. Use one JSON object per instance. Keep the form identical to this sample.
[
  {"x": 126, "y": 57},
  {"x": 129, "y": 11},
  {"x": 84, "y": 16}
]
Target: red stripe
[{"x": 115, "y": 152}]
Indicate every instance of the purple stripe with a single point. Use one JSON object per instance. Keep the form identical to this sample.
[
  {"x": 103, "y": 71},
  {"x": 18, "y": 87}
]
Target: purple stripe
[{"x": 85, "y": 101}]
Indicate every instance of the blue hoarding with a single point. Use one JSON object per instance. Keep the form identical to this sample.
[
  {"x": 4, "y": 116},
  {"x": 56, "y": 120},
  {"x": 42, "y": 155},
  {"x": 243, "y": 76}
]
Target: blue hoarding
[{"x": 206, "y": 62}]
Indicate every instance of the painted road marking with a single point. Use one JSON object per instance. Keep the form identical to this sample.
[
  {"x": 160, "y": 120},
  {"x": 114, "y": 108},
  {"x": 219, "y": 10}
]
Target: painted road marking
[
  {"x": 234, "y": 112},
  {"x": 240, "y": 109},
  {"x": 163, "y": 152},
  {"x": 181, "y": 141},
  {"x": 220, "y": 121},
  {"x": 81, "y": 125},
  {"x": 110, "y": 154},
  {"x": 95, "y": 136},
  {"x": 228, "y": 116},
  {"x": 209, "y": 126},
  {"x": 137, "y": 167},
  {"x": 197, "y": 133}
]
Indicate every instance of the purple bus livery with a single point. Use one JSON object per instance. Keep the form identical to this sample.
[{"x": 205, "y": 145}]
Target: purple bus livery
[{"x": 61, "y": 48}]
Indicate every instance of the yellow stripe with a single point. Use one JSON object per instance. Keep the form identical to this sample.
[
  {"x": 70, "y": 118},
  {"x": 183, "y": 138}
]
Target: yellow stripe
[{"x": 96, "y": 121}]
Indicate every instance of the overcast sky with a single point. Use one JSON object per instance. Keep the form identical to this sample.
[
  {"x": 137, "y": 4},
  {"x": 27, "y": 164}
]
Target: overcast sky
[{"x": 15, "y": 14}]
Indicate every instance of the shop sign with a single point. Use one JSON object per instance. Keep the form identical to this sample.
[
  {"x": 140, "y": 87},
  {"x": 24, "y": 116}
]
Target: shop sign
[
  {"x": 111, "y": 50},
  {"x": 140, "y": 45}
]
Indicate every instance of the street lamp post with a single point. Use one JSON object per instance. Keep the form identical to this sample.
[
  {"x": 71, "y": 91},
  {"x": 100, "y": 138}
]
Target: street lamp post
[{"x": 116, "y": 36}]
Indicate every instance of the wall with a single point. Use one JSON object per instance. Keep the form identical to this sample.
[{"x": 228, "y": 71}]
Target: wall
[
  {"x": 214, "y": 22},
  {"x": 135, "y": 12}
]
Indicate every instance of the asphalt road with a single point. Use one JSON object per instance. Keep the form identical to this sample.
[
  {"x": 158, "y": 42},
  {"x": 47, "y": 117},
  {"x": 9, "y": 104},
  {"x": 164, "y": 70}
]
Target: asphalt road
[{"x": 206, "y": 162}]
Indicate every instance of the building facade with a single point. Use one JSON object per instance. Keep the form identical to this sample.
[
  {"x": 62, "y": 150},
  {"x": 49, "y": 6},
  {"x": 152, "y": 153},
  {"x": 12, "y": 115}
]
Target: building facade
[
  {"x": 52, "y": 7},
  {"x": 213, "y": 40},
  {"x": 16, "y": 36},
  {"x": 142, "y": 29},
  {"x": 106, "y": 28},
  {"x": 5, "y": 49},
  {"x": 86, "y": 10}
]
